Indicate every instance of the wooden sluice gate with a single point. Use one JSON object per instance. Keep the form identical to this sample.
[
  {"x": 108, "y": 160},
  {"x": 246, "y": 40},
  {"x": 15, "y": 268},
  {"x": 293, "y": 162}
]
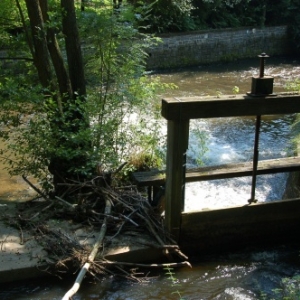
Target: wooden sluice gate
[
  {"x": 248, "y": 224},
  {"x": 256, "y": 224},
  {"x": 178, "y": 112}
]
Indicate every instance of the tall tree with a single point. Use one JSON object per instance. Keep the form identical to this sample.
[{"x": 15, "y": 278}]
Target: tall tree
[{"x": 66, "y": 84}]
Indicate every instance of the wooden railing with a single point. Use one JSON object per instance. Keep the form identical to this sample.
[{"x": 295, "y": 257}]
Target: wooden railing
[{"x": 179, "y": 111}]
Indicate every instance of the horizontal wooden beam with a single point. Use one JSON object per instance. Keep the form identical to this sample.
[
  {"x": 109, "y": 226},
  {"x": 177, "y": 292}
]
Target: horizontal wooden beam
[
  {"x": 236, "y": 227},
  {"x": 270, "y": 166},
  {"x": 229, "y": 106}
]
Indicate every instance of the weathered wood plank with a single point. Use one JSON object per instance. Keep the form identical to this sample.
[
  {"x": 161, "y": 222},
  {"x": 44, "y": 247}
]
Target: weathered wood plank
[
  {"x": 271, "y": 166},
  {"x": 178, "y": 112},
  {"x": 177, "y": 144},
  {"x": 240, "y": 226},
  {"x": 150, "y": 178},
  {"x": 229, "y": 106}
]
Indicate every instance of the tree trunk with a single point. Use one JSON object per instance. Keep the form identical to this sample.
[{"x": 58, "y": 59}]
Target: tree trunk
[
  {"x": 66, "y": 87},
  {"x": 41, "y": 55},
  {"x": 62, "y": 76},
  {"x": 74, "y": 119},
  {"x": 73, "y": 48}
]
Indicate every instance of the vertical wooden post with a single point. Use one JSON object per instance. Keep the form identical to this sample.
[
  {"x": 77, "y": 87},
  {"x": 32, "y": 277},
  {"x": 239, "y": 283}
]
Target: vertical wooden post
[{"x": 177, "y": 144}]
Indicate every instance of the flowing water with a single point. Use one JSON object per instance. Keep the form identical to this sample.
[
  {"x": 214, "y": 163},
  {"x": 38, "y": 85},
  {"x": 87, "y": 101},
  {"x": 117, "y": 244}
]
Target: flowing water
[
  {"x": 241, "y": 275},
  {"x": 231, "y": 140},
  {"x": 237, "y": 276}
]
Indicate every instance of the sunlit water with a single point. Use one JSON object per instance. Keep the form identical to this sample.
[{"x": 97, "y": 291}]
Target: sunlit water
[
  {"x": 236, "y": 276},
  {"x": 231, "y": 140}
]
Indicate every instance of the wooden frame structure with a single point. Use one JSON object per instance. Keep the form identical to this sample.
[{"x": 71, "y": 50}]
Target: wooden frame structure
[{"x": 179, "y": 111}]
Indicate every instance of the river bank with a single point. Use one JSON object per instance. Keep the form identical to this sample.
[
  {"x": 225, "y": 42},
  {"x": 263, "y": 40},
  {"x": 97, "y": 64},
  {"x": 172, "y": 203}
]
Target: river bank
[
  {"x": 35, "y": 243},
  {"x": 204, "y": 47}
]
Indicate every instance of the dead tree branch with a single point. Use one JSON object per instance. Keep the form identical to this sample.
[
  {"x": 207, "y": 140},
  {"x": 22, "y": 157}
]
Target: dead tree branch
[{"x": 91, "y": 257}]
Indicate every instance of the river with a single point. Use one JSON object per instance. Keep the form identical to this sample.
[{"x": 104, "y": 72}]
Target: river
[
  {"x": 248, "y": 274},
  {"x": 231, "y": 140}
]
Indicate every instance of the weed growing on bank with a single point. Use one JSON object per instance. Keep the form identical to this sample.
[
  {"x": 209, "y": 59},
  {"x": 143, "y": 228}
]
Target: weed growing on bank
[{"x": 174, "y": 282}]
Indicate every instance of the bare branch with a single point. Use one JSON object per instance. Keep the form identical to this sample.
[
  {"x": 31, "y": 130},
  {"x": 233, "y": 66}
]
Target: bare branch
[{"x": 91, "y": 257}]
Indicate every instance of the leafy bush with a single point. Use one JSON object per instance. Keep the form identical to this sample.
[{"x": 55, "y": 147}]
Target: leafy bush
[
  {"x": 164, "y": 15},
  {"x": 121, "y": 105},
  {"x": 289, "y": 290}
]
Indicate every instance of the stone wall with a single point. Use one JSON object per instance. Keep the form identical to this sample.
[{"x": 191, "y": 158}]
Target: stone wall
[{"x": 204, "y": 47}]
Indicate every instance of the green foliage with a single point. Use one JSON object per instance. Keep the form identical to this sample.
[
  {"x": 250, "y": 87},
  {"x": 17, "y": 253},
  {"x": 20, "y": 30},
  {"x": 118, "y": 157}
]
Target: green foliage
[
  {"x": 173, "y": 281},
  {"x": 121, "y": 105},
  {"x": 161, "y": 16},
  {"x": 9, "y": 22},
  {"x": 229, "y": 13},
  {"x": 235, "y": 90},
  {"x": 294, "y": 23},
  {"x": 218, "y": 93},
  {"x": 122, "y": 102},
  {"x": 24, "y": 128},
  {"x": 293, "y": 85},
  {"x": 201, "y": 138},
  {"x": 289, "y": 290},
  {"x": 142, "y": 161}
]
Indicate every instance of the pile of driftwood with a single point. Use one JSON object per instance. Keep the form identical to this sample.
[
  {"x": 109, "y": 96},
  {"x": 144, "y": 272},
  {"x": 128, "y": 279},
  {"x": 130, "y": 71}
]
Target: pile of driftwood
[{"x": 110, "y": 211}]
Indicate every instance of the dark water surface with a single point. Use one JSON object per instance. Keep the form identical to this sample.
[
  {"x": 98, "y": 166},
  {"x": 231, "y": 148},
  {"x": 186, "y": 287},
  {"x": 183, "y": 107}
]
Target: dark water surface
[{"x": 242, "y": 275}]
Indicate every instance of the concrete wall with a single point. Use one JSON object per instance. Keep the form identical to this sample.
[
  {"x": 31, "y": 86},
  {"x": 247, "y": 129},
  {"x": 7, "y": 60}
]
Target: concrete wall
[{"x": 204, "y": 47}]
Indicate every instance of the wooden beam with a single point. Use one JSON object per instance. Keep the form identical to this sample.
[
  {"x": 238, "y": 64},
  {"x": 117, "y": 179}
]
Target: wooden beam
[
  {"x": 270, "y": 166},
  {"x": 229, "y": 106},
  {"x": 177, "y": 144}
]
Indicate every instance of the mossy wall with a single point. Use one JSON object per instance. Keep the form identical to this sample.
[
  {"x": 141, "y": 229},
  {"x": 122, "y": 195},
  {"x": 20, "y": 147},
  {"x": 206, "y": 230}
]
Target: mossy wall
[{"x": 204, "y": 47}]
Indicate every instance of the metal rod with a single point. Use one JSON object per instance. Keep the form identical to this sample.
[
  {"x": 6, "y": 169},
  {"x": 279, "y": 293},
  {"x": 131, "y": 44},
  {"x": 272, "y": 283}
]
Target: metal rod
[
  {"x": 262, "y": 57},
  {"x": 183, "y": 180},
  {"x": 262, "y": 67},
  {"x": 255, "y": 159}
]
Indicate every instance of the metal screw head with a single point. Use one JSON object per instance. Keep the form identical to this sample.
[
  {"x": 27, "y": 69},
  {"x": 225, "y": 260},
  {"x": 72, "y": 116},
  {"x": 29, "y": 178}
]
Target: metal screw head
[
  {"x": 263, "y": 55},
  {"x": 262, "y": 64}
]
